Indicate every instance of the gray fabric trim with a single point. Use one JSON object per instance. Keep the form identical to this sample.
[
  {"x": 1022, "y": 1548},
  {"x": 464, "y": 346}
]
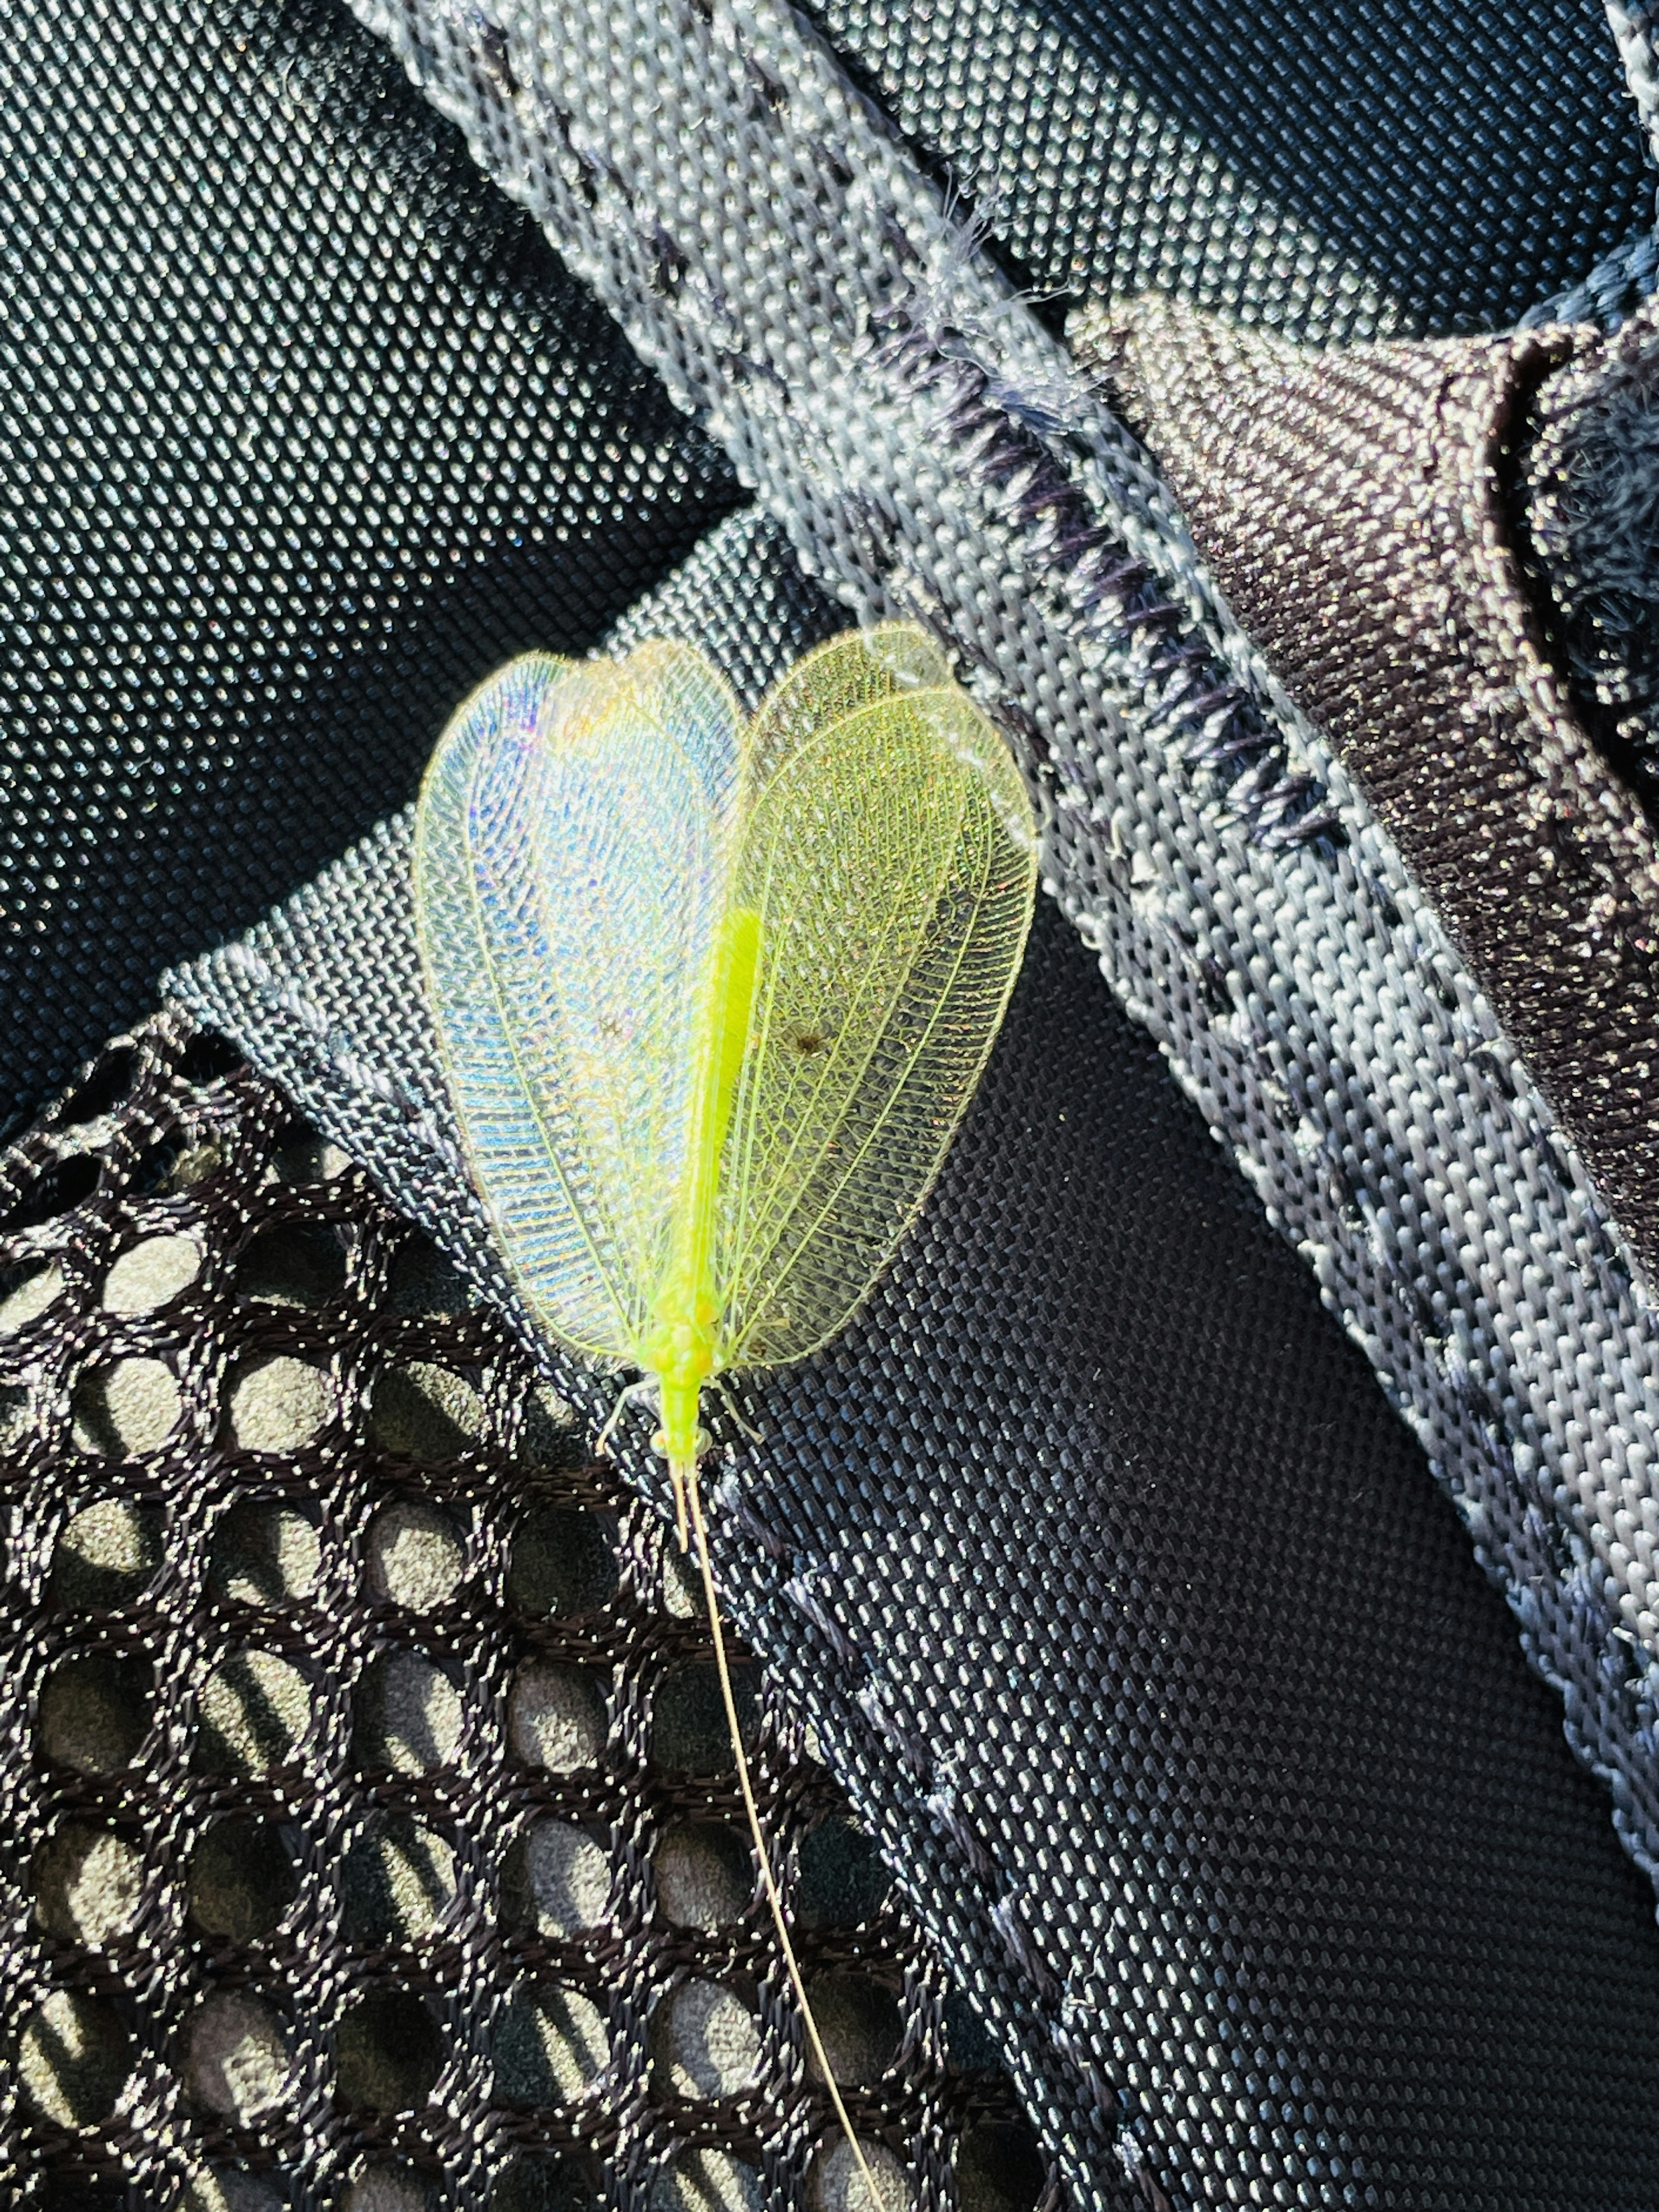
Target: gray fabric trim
[
  {"x": 929, "y": 451},
  {"x": 1612, "y": 291},
  {"x": 1354, "y": 504}
]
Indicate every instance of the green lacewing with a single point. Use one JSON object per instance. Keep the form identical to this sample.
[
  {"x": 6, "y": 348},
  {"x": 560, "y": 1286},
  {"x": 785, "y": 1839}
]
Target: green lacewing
[{"x": 712, "y": 995}]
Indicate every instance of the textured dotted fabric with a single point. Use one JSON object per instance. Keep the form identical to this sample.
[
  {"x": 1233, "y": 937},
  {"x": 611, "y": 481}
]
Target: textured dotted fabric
[
  {"x": 306, "y": 430},
  {"x": 1390, "y": 169},
  {"x": 371, "y": 1835}
]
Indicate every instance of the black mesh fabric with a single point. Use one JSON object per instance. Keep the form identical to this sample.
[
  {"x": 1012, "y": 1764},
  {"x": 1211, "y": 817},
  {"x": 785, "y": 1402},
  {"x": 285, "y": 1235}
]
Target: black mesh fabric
[
  {"x": 305, "y": 431},
  {"x": 372, "y": 1837},
  {"x": 1333, "y": 173}
]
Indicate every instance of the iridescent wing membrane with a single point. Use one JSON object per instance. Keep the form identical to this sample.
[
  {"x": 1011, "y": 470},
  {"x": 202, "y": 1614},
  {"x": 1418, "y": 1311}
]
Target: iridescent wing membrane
[
  {"x": 583, "y": 835},
  {"x": 888, "y": 849},
  {"x": 572, "y": 852}
]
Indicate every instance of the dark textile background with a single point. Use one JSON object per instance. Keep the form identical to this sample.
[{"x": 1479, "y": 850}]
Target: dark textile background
[
  {"x": 305, "y": 430},
  {"x": 1337, "y": 173}
]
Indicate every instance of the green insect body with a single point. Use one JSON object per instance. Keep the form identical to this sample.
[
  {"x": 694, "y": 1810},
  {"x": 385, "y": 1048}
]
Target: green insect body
[
  {"x": 683, "y": 1348},
  {"x": 712, "y": 997}
]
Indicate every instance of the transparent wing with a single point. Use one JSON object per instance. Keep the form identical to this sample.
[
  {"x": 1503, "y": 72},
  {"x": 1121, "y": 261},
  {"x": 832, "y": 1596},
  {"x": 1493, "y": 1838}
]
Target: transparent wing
[
  {"x": 891, "y": 859},
  {"x": 572, "y": 860},
  {"x": 836, "y": 681}
]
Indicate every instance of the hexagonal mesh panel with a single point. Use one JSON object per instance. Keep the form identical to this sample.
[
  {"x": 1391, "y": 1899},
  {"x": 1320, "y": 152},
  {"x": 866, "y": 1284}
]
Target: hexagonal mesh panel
[{"x": 374, "y": 1836}]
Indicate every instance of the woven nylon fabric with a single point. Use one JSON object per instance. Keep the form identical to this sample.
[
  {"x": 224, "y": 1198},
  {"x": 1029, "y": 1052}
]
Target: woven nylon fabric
[
  {"x": 1119, "y": 1601},
  {"x": 926, "y": 427},
  {"x": 1585, "y": 503},
  {"x": 1336, "y": 174},
  {"x": 304, "y": 432},
  {"x": 1356, "y": 509},
  {"x": 930, "y": 451},
  {"x": 373, "y": 1841}
]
